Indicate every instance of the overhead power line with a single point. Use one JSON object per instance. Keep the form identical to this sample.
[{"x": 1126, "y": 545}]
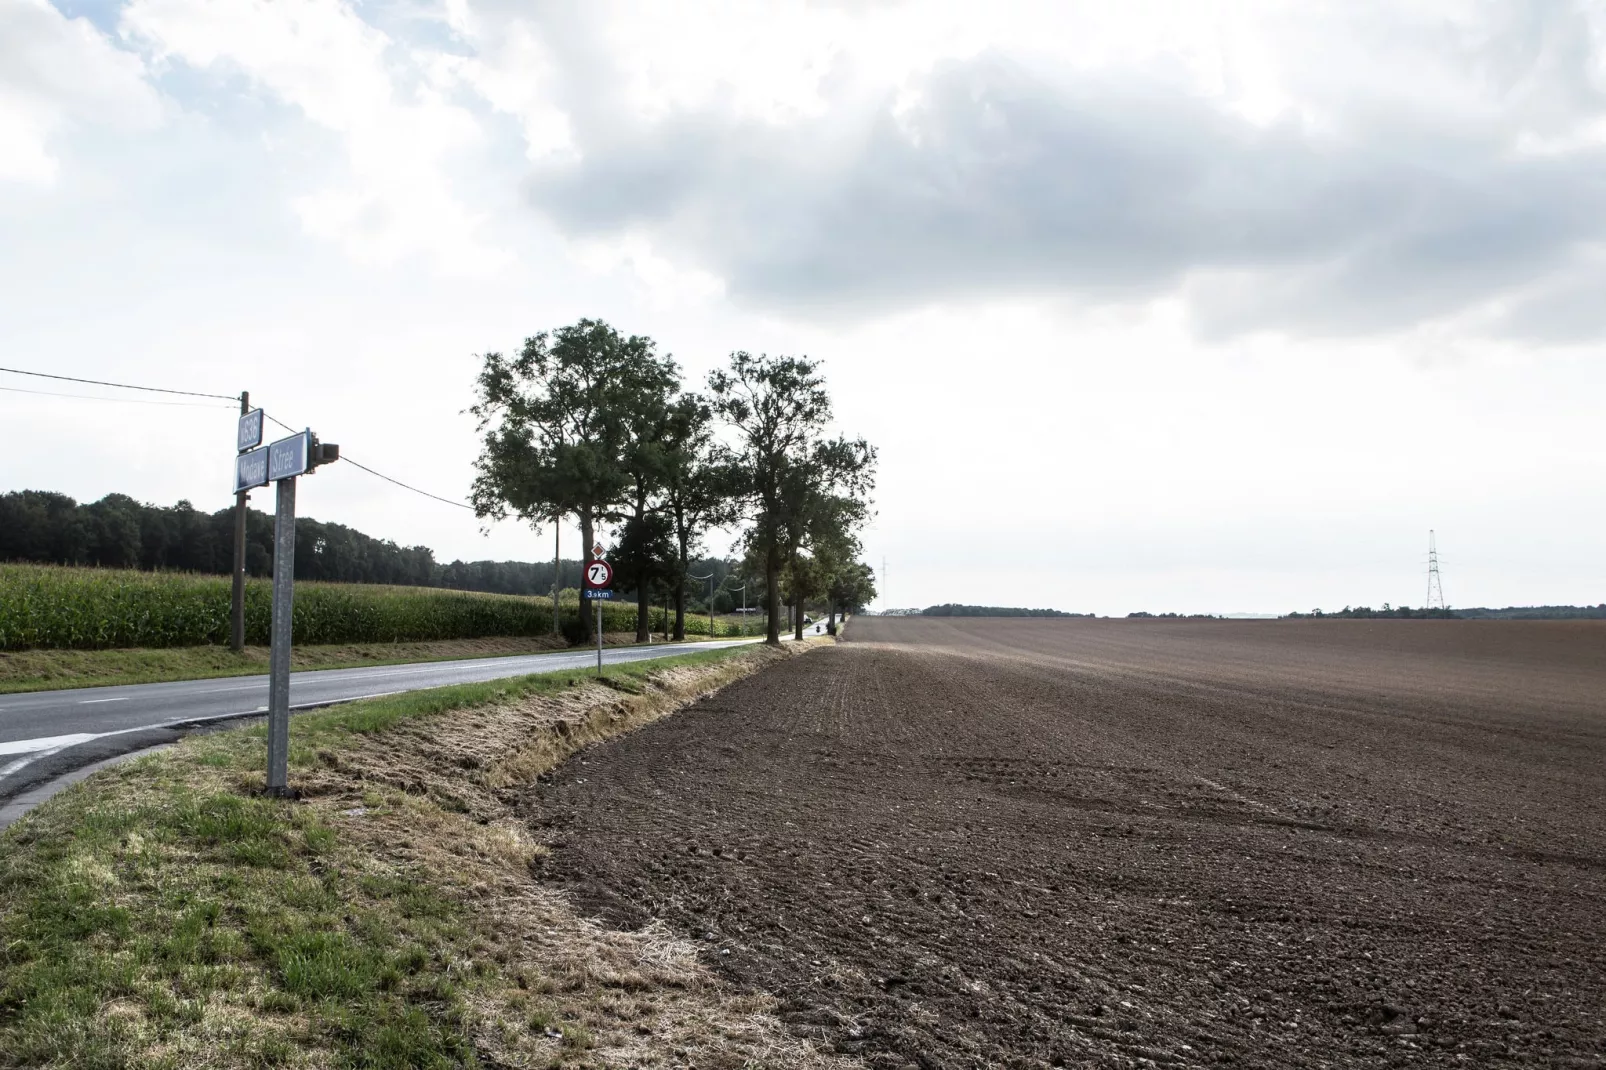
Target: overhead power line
[
  {"x": 124, "y": 401},
  {"x": 404, "y": 486},
  {"x": 197, "y": 394},
  {"x": 122, "y": 386},
  {"x": 388, "y": 479}
]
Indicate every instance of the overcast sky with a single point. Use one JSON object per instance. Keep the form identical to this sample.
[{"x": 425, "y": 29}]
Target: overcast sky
[{"x": 1190, "y": 306}]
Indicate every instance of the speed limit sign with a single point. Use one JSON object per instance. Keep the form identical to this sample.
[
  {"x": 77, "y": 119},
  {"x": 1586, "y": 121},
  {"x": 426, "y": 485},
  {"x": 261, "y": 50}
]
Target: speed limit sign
[{"x": 599, "y": 576}]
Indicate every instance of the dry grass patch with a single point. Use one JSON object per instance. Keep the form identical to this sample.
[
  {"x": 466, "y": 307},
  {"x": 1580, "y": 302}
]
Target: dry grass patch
[{"x": 164, "y": 914}]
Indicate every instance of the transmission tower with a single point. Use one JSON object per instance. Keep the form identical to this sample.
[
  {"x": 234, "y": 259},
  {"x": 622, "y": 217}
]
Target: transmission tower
[{"x": 1435, "y": 590}]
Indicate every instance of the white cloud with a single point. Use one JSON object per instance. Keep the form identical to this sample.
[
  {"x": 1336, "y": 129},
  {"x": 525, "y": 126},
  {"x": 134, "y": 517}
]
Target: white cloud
[
  {"x": 401, "y": 135},
  {"x": 56, "y": 73}
]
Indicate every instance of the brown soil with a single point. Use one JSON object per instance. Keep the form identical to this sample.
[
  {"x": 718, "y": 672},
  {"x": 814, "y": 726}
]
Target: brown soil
[{"x": 1108, "y": 843}]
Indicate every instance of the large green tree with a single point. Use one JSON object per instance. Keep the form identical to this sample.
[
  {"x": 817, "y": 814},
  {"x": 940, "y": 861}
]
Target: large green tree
[
  {"x": 787, "y": 473},
  {"x": 698, "y": 488},
  {"x": 557, "y": 422}
]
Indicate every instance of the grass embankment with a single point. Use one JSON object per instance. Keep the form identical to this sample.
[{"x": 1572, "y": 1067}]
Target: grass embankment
[
  {"x": 165, "y": 914},
  {"x": 45, "y": 670},
  {"x": 50, "y": 607}
]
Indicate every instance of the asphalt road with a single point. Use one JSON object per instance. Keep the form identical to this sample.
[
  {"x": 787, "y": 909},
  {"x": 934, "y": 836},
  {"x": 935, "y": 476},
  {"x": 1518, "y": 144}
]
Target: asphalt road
[{"x": 46, "y": 733}]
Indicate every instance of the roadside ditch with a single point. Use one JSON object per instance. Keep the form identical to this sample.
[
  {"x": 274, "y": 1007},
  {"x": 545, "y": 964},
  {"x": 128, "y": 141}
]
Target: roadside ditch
[{"x": 165, "y": 913}]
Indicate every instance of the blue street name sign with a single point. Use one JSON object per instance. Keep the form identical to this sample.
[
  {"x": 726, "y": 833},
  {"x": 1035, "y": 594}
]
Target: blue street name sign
[
  {"x": 249, "y": 436},
  {"x": 251, "y": 470},
  {"x": 289, "y": 456}
]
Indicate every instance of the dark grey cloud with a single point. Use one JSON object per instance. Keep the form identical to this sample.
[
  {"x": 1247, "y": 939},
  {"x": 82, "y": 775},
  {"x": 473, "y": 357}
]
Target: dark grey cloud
[{"x": 1003, "y": 180}]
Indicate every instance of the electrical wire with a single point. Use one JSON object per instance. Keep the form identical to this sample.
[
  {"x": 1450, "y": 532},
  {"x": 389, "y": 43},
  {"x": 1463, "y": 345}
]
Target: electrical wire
[
  {"x": 404, "y": 486},
  {"x": 121, "y": 386},
  {"x": 197, "y": 394},
  {"x": 381, "y": 475},
  {"x": 125, "y": 401}
]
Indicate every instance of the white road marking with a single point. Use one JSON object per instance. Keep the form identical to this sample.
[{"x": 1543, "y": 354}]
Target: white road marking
[
  {"x": 28, "y": 746},
  {"x": 93, "y": 701},
  {"x": 220, "y": 690}
]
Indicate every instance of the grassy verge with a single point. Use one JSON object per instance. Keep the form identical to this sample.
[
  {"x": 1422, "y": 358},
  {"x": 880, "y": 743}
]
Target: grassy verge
[
  {"x": 47, "y": 670},
  {"x": 166, "y": 914}
]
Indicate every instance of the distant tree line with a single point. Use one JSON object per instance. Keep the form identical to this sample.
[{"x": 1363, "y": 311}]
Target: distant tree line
[
  {"x": 117, "y": 531},
  {"x": 1367, "y": 612},
  {"x": 1171, "y": 616},
  {"x": 1536, "y": 613},
  {"x": 1475, "y": 613},
  {"x": 954, "y": 609}
]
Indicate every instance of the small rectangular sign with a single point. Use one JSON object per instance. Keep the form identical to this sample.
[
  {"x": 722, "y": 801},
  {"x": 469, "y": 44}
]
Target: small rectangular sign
[
  {"x": 595, "y": 592},
  {"x": 250, "y": 433},
  {"x": 251, "y": 470},
  {"x": 288, "y": 456}
]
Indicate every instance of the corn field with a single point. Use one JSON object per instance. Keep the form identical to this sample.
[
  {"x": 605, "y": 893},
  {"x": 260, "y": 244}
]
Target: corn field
[{"x": 48, "y": 607}]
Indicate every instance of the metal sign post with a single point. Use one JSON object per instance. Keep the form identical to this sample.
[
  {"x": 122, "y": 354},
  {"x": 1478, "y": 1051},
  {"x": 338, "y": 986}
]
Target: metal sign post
[
  {"x": 284, "y": 576},
  {"x": 280, "y": 462},
  {"x": 596, "y": 585}
]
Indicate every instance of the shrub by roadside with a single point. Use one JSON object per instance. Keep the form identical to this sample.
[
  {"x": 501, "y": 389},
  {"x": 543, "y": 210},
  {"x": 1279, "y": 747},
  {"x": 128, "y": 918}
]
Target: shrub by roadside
[{"x": 163, "y": 913}]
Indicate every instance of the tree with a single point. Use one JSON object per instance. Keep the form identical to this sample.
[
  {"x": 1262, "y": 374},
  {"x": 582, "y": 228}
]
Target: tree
[
  {"x": 852, "y": 588},
  {"x": 697, "y": 488},
  {"x": 556, "y": 422},
  {"x": 783, "y": 465},
  {"x": 824, "y": 498},
  {"x": 777, "y": 406},
  {"x": 644, "y": 561},
  {"x": 643, "y": 460}
]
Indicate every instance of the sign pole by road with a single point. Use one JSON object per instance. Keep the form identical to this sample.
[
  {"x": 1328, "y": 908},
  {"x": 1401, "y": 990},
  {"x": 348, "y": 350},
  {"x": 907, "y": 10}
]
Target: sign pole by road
[
  {"x": 284, "y": 574},
  {"x": 280, "y": 462},
  {"x": 596, "y": 585}
]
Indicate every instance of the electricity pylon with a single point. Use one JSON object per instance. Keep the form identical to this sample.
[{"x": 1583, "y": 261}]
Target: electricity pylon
[{"x": 1435, "y": 589}]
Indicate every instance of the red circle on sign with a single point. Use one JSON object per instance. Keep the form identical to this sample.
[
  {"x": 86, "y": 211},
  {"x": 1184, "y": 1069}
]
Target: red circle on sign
[{"x": 599, "y": 574}]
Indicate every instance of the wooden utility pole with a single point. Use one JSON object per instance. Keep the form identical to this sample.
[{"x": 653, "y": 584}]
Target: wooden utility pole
[
  {"x": 237, "y": 585},
  {"x": 557, "y": 562}
]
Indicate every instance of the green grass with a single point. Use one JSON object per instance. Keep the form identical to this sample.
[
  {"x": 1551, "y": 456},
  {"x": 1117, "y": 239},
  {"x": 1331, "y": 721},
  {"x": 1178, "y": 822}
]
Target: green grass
[
  {"x": 164, "y": 913},
  {"x": 51, "y": 607}
]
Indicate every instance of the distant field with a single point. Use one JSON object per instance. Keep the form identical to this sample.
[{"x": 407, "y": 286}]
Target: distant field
[
  {"x": 993, "y": 842},
  {"x": 47, "y": 607}
]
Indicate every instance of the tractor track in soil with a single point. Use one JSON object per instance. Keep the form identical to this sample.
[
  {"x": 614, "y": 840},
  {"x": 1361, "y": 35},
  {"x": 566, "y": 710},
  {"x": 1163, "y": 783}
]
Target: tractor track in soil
[{"x": 1104, "y": 843}]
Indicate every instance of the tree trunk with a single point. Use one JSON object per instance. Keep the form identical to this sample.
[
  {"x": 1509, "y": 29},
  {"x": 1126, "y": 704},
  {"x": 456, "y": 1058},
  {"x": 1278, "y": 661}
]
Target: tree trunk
[
  {"x": 830, "y": 625},
  {"x": 797, "y": 616},
  {"x": 772, "y": 595},
  {"x": 680, "y": 587},
  {"x": 557, "y": 566},
  {"x": 643, "y": 589},
  {"x": 587, "y": 535}
]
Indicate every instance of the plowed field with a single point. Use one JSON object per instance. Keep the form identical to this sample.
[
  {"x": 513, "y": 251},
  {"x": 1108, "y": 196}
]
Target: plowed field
[{"x": 949, "y": 843}]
